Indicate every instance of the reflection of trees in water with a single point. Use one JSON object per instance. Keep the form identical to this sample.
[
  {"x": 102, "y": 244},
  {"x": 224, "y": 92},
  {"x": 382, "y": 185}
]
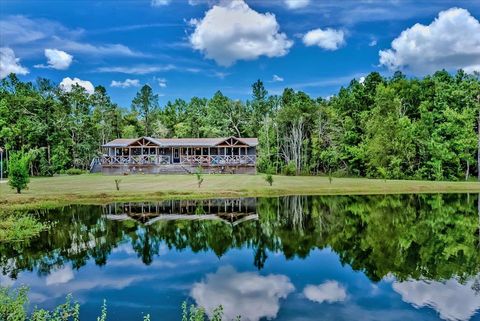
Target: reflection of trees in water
[{"x": 411, "y": 236}]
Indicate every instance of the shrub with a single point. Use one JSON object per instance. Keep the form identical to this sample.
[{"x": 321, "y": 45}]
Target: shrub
[
  {"x": 18, "y": 177},
  {"x": 290, "y": 169},
  {"x": 269, "y": 179},
  {"x": 74, "y": 171}
]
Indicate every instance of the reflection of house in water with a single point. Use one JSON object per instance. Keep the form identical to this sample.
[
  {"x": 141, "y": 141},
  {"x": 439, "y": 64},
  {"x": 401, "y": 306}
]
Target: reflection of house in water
[{"x": 231, "y": 211}]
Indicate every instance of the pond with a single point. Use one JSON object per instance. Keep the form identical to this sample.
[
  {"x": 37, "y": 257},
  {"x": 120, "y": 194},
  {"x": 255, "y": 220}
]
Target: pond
[{"x": 389, "y": 257}]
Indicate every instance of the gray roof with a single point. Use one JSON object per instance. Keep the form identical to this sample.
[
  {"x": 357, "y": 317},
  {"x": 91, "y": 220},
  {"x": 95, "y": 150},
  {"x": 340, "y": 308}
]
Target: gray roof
[{"x": 180, "y": 142}]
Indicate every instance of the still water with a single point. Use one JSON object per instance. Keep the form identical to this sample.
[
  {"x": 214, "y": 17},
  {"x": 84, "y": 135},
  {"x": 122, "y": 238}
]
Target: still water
[{"x": 397, "y": 257}]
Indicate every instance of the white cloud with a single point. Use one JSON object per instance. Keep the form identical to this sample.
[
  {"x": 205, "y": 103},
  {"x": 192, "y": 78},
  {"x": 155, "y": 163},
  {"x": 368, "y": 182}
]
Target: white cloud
[
  {"x": 56, "y": 59},
  {"x": 296, "y": 4},
  {"x": 30, "y": 36},
  {"x": 60, "y": 276},
  {"x": 98, "y": 50},
  {"x": 196, "y": 2},
  {"x": 67, "y": 84},
  {"x": 372, "y": 43},
  {"x": 361, "y": 80},
  {"x": 10, "y": 64},
  {"x": 451, "y": 299},
  {"x": 451, "y": 41},
  {"x": 330, "y": 291},
  {"x": 126, "y": 83},
  {"x": 162, "y": 82},
  {"x": 232, "y": 31},
  {"x": 277, "y": 78},
  {"x": 137, "y": 70},
  {"x": 159, "y": 3},
  {"x": 18, "y": 29},
  {"x": 328, "y": 39},
  {"x": 248, "y": 294}
]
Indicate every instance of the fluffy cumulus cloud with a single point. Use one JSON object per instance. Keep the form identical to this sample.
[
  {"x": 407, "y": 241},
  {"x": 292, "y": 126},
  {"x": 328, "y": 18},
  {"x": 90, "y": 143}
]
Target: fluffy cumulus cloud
[
  {"x": 57, "y": 59},
  {"x": 232, "y": 31},
  {"x": 248, "y": 294},
  {"x": 296, "y": 4},
  {"x": 10, "y": 64},
  {"x": 451, "y": 41},
  {"x": 126, "y": 83},
  {"x": 328, "y": 39},
  {"x": 451, "y": 299},
  {"x": 159, "y": 3},
  {"x": 67, "y": 84},
  {"x": 330, "y": 291}
]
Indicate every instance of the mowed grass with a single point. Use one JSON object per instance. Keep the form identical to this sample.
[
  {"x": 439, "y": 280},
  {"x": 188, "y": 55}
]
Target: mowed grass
[{"x": 97, "y": 188}]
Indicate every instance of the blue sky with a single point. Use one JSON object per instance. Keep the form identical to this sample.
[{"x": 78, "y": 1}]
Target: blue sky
[{"x": 186, "y": 48}]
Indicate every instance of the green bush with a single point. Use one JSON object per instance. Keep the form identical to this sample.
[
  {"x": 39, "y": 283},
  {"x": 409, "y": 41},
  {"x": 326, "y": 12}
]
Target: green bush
[
  {"x": 290, "y": 169},
  {"x": 269, "y": 179},
  {"x": 74, "y": 171},
  {"x": 18, "y": 177}
]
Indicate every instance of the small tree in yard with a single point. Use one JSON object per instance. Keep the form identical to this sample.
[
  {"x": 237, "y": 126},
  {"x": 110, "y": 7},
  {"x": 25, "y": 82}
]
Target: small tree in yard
[
  {"x": 199, "y": 175},
  {"x": 269, "y": 179},
  {"x": 117, "y": 184},
  {"x": 18, "y": 177}
]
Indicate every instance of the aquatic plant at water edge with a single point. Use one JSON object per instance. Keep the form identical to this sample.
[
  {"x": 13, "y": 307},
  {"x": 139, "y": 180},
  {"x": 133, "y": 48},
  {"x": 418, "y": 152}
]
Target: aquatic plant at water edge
[{"x": 14, "y": 307}]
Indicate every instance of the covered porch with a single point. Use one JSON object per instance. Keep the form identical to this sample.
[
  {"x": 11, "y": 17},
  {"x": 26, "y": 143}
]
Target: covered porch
[{"x": 193, "y": 152}]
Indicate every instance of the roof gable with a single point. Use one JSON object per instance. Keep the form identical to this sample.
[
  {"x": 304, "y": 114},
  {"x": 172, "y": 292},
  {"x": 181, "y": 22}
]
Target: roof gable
[{"x": 183, "y": 142}]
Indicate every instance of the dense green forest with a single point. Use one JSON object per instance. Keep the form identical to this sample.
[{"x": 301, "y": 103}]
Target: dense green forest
[{"x": 394, "y": 127}]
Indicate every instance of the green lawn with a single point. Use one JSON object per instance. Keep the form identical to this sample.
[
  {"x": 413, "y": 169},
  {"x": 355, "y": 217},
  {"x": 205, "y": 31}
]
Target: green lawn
[{"x": 96, "y": 188}]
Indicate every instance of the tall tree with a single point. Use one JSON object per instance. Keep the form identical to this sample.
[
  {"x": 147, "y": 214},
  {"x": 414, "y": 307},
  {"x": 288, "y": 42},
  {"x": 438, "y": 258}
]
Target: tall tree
[{"x": 146, "y": 104}]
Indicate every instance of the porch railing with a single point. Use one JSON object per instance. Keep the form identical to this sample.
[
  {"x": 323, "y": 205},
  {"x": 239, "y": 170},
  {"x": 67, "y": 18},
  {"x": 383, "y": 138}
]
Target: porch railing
[
  {"x": 206, "y": 160},
  {"x": 218, "y": 160},
  {"x": 135, "y": 160}
]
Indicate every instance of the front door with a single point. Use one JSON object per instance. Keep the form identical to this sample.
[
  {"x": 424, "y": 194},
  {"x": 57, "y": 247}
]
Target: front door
[{"x": 176, "y": 156}]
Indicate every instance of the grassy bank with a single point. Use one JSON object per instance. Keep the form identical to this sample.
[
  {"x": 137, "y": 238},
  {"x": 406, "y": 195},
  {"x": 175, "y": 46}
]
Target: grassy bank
[{"x": 99, "y": 189}]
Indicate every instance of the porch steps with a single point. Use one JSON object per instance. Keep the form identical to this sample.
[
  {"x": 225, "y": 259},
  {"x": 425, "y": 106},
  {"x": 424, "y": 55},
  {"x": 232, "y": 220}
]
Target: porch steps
[
  {"x": 95, "y": 166},
  {"x": 176, "y": 169}
]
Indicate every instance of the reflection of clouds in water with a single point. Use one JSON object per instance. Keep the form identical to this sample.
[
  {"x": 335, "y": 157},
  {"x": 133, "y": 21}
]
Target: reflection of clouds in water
[
  {"x": 5, "y": 280},
  {"x": 124, "y": 248},
  {"x": 248, "y": 294},
  {"x": 135, "y": 262},
  {"x": 329, "y": 291},
  {"x": 451, "y": 299},
  {"x": 60, "y": 276}
]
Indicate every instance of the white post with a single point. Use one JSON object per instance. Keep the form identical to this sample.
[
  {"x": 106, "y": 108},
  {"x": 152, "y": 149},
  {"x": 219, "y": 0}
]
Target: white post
[{"x": 1, "y": 164}]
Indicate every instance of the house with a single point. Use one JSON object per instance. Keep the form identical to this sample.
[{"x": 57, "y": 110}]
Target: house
[{"x": 179, "y": 155}]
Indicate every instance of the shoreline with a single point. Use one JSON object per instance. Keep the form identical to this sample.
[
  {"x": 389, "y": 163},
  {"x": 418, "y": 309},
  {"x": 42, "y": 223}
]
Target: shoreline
[{"x": 46, "y": 192}]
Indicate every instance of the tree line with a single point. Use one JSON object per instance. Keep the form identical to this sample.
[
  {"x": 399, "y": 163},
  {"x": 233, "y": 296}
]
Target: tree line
[{"x": 382, "y": 127}]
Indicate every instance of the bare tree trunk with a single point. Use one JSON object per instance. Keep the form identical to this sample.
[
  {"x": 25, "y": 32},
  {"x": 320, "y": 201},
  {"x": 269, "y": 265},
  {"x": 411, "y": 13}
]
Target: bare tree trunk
[
  {"x": 292, "y": 148},
  {"x": 467, "y": 172}
]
